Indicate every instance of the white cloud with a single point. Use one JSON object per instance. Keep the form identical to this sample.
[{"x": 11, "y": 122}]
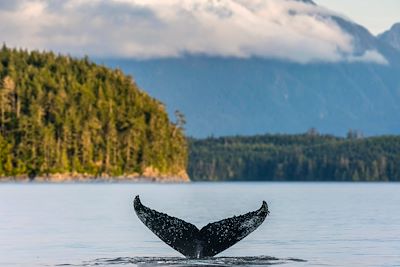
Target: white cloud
[
  {"x": 166, "y": 28},
  {"x": 369, "y": 56}
]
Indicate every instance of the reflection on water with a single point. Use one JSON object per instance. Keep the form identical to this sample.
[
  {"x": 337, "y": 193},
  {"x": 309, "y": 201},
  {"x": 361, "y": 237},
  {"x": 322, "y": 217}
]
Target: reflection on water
[{"x": 183, "y": 262}]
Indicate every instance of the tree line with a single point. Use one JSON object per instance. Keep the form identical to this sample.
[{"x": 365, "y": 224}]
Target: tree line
[
  {"x": 302, "y": 157},
  {"x": 59, "y": 114}
]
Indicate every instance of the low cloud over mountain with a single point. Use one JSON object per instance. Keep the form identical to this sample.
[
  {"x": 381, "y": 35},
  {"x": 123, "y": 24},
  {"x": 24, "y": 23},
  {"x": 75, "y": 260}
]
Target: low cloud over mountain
[{"x": 298, "y": 31}]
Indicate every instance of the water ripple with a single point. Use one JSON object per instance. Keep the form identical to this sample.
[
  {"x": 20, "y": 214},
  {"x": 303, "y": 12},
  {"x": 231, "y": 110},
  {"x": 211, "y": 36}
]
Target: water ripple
[{"x": 183, "y": 262}]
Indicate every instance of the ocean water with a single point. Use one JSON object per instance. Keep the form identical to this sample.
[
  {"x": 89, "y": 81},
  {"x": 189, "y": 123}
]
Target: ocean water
[{"x": 310, "y": 224}]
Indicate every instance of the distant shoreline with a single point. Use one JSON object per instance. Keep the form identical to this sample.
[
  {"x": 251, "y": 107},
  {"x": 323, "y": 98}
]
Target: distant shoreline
[{"x": 296, "y": 157}]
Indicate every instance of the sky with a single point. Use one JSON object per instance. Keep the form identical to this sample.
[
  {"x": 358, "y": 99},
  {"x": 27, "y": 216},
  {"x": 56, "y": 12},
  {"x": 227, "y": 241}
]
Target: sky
[
  {"x": 283, "y": 29},
  {"x": 376, "y": 15}
]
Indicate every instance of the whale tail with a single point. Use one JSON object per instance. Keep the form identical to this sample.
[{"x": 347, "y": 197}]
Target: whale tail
[{"x": 208, "y": 241}]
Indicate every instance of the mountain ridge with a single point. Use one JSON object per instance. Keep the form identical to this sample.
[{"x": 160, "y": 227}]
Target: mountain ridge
[
  {"x": 244, "y": 96},
  {"x": 391, "y": 36}
]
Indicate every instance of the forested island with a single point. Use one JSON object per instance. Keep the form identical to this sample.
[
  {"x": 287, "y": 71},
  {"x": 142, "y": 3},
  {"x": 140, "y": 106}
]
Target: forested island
[
  {"x": 303, "y": 157},
  {"x": 63, "y": 118}
]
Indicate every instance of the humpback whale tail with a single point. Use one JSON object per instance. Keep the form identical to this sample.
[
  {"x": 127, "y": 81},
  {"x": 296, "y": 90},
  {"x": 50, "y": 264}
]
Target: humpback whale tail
[{"x": 208, "y": 241}]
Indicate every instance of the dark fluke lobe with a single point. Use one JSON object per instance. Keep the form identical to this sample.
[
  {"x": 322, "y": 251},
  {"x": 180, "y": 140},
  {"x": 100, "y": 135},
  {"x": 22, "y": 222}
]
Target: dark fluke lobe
[{"x": 194, "y": 243}]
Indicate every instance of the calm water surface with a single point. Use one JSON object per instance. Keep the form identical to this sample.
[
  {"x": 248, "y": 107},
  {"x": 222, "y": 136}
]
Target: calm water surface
[{"x": 311, "y": 224}]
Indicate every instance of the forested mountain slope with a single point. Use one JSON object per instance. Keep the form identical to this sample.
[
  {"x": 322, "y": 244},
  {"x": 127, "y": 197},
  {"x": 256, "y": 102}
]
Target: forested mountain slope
[{"x": 62, "y": 117}]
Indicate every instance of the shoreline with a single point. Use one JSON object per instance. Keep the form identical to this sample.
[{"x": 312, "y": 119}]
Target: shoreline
[
  {"x": 93, "y": 180},
  {"x": 173, "y": 180},
  {"x": 181, "y": 177},
  {"x": 158, "y": 180}
]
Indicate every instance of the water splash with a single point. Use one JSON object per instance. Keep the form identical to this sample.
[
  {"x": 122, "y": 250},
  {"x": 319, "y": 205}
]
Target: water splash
[{"x": 183, "y": 262}]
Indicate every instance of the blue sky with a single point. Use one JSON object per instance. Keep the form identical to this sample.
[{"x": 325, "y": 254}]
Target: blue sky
[{"x": 376, "y": 15}]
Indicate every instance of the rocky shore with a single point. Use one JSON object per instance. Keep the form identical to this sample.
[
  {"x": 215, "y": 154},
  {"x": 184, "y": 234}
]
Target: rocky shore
[{"x": 149, "y": 175}]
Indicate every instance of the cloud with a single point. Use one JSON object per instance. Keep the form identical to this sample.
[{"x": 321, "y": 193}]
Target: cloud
[
  {"x": 284, "y": 29},
  {"x": 369, "y": 56}
]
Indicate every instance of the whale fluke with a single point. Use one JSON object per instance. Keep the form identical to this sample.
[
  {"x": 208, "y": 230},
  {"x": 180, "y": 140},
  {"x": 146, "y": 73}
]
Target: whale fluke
[{"x": 194, "y": 243}]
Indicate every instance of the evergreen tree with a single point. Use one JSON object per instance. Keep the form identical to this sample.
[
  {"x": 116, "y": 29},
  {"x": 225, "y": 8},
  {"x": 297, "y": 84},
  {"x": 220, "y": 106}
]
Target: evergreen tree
[
  {"x": 60, "y": 115},
  {"x": 304, "y": 157}
]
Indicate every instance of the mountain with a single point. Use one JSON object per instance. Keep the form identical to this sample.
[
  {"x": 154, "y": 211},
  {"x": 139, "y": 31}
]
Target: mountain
[
  {"x": 254, "y": 95},
  {"x": 364, "y": 41},
  {"x": 221, "y": 96},
  {"x": 392, "y": 36},
  {"x": 65, "y": 118}
]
